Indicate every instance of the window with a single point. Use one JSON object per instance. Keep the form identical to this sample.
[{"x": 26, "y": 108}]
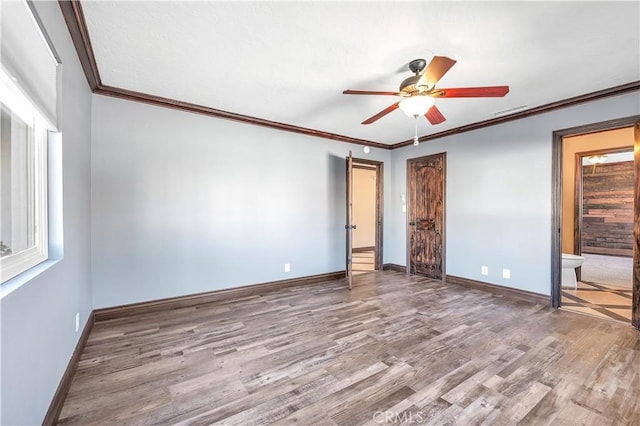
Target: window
[
  {"x": 23, "y": 183},
  {"x": 29, "y": 81}
]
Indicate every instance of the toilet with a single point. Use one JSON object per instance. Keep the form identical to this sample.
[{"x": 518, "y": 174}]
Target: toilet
[{"x": 569, "y": 264}]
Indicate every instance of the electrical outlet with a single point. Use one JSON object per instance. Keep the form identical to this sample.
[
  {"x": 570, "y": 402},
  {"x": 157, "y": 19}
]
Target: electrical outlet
[
  {"x": 485, "y": 270},
  {"x": 287, "y": 267},
  {"x": 77, "y": 321},
  {"x": 506, "y": 273}
]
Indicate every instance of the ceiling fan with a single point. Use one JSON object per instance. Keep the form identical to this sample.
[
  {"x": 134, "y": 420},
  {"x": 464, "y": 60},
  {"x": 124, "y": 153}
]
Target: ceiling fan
[{"x": 419, "y": 91}]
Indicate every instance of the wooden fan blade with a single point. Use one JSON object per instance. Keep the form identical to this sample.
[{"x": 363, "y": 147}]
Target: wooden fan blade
[
  {"x": 382, "y": 113},
  {"x": 435, "y": 116},
  {"x": 473, "y": 92},
  {"x": 368, "y": 92},
  {"x": 438, "y": 67}
]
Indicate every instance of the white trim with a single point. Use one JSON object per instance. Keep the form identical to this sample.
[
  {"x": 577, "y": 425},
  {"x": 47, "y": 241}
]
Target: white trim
[
  {"x": 19, "y": 101},
  {"x": 16, "y": 263}
]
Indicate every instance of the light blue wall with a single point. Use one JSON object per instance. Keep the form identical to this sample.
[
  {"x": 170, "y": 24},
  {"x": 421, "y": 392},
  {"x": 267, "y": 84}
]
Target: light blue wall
[
  {"x": 37, "y": 320},
  {"x": 498, "y": 194},
  {"x": 184, "y": 203}
]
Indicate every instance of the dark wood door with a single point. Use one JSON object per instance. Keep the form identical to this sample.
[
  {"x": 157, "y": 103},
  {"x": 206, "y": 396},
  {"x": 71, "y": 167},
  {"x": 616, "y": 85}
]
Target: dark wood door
[
  {"x": 349, "y": 225},
  {"x": 426, "y": 186}
]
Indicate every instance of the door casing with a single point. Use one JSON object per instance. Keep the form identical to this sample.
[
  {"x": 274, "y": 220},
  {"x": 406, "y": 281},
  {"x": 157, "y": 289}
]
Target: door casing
[
  {"x": 349, "y": 222},
  {"x": 556, "y": 213}
]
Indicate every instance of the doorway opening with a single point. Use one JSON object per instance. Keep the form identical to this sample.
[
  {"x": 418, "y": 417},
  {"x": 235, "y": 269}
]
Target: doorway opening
[
  {"x": 603, "y": 224},
  {"x": 366, "y": 207},
  {"x": 595, "y": 214}
]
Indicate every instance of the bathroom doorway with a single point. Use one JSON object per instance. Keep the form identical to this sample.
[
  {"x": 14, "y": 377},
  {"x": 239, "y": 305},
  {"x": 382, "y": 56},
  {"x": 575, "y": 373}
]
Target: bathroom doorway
[
  {"x": 603, "y": 225},
  {"x": 595, "y": 216}
]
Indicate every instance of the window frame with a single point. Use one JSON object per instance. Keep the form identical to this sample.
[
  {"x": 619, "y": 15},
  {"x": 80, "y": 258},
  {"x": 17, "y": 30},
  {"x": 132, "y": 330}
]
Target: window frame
[{"x": 37, "y": 166}]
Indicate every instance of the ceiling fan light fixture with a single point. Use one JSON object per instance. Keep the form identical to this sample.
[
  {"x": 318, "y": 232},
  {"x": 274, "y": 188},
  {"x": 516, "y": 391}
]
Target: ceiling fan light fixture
[
  {"x": 416, "y": 105},
  {"x": 418, "y": 92}
]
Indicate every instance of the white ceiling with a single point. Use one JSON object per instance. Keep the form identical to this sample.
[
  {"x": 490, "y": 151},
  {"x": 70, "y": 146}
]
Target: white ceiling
[{"x": 290, "y": 61}]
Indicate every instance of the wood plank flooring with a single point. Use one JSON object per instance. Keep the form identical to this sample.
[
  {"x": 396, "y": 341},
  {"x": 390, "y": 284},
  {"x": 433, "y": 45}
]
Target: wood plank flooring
[
  {"x": 394, "y": 350},
  {"x": 363, "y": 262}
]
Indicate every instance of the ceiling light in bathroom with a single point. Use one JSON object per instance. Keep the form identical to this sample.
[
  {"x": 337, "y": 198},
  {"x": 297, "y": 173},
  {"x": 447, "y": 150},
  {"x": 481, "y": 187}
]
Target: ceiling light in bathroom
[{"x": 597, "y": 159}]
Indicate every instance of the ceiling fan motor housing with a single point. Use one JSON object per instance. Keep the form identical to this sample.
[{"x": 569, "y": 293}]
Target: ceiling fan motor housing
[{"x": 413, "y": 85}]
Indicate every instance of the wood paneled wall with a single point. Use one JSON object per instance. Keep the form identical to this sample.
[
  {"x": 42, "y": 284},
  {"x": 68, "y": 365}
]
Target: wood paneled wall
[{"x": 607, "y": 209}]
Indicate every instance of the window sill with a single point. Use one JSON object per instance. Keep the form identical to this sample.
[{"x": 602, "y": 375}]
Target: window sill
[{"x": 19, "y": 280}]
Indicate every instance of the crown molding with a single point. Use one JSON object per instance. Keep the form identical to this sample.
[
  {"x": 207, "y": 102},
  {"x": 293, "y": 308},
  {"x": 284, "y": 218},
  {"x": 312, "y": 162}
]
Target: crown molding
[
  {"x": 612, "y": 91},
  {"x": 74, "y": 17},
  {"x": 131, "y": 95}
]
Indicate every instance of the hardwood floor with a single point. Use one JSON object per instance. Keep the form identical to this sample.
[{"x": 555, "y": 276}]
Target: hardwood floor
[{"x": 395, "y": 349}]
